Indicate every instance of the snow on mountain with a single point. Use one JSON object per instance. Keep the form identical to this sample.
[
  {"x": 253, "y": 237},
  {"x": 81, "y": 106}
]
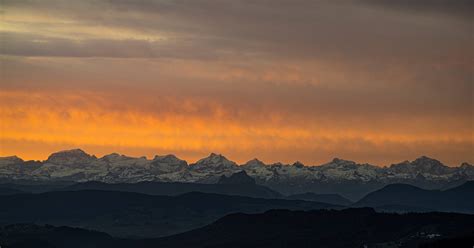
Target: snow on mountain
[
  {"x": 422, "y": 167},
  {"x": 214, "y": 162},
  {"x": 257, "y": 169},
  {"x": 349, "y": 170},
  {"x": 335, "y": 170},
  {"x": 167, "y": 164},
  {"x": 129, "y": 169},
  {"x": 116, "y": 160},
  {"x": 15, "y": 168},
  {"x": 467, "y": 170},
  {"x": 6, "y": 161},
  {"x": 211, "y": 168},
  {"x": 74, "y": 157},
  {"x": 76, "y": 165}
]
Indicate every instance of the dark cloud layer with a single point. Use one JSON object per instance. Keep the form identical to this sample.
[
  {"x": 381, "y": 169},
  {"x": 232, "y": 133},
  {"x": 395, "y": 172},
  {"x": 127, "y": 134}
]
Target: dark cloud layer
[
  {"x": 451, "y": 8},
  {"x": 299, "y": 29}
]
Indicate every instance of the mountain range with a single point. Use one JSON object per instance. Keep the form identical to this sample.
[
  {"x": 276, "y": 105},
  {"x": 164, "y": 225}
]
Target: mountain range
[{"x": 344, "y": 177}]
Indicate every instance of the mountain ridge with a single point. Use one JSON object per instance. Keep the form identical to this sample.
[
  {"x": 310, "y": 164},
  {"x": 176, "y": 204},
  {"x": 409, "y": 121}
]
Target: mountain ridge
[
  {"x": 348, "y": 178},
  {"x": 79, "y": 152}
]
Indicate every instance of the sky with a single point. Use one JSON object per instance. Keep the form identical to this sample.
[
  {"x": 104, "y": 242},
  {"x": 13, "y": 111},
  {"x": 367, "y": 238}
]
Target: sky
[{"x": 375, "y": 81}]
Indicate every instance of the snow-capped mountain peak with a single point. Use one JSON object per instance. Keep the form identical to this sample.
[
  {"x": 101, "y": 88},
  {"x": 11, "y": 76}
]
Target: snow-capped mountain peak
[
  {"x": 466, "y": 165},
  {"x": 113, "y": 157},
  {"x": 424, "y": 160},
  {"x": 68, "y": 157},
  {"x": 340, "y": 163},
  {"x": 76, "y": 165},
  {"x": 210, "y": 168},
  {"x": 168, "y": 163},
  {"x": 118, "y": 160},
  {"x": 421, "y": 165},
  {"x": 168, "y": 158},
  {"x": 298, "y": 164},
  {"x": 214, "y": 160},
  {"x": 253, "y": 163},
  {"x": 10, "y": 160}
]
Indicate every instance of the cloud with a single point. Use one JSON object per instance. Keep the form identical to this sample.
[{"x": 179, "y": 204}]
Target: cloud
[
  {"x": 451, "y": 8},
  {"x": 20, "y": 44},
  {"x": 199, "y": 126},
  {"x": 264, "y": 30},
  {"x": 300, "y": 79}
]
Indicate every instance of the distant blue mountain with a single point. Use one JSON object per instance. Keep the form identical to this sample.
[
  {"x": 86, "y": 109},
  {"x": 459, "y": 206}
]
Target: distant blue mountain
[{"x": 411, "y": 198}]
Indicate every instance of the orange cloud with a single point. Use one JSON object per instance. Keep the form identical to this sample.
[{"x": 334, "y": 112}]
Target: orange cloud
[{"x": 31, "y": 121}]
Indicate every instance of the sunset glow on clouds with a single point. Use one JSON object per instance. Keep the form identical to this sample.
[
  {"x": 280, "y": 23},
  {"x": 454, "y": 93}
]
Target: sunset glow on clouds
[{"x": 277, "y": 80}]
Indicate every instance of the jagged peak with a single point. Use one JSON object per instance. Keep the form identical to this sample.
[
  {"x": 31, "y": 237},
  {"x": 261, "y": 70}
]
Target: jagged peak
[
  {"x": 72, "y": 153},
  {"x": 336, "y": 160},
  {"x": 69, "y": 155},
  {"x": 425, "y": 159},
  {"x": 426, "y": 162},
  {"x": 117, "y": 157},
  {"x": 11, "y": 159},
  {"x": 213, "y": 157},
  {"x": 214, "y": 160},
  {"x": 254, "y": 162},
  {"x": 341, "y": 161},
  {"x": 424, "y": 165},
  {"x": 465, "y": 165},
  {"x": 170, "y": 159},
  {"x": 298, "y": 164},
  {"x": 215, "y": 154},
  {"x": 112, "y": 155},
  {"x": 278, "y": 164},
  {"x": 167, "y": 156},
  {"x": 240, "y": 177}
]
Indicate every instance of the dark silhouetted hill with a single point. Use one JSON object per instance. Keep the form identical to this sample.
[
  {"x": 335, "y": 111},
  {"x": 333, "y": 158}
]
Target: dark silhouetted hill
[
  {"x": 275, "y": 228},
  {"x": 239, "y": 178},
  {"x": 323, "y": 228},
  {"x": 160, "y": 188},
  {"x": 326, "y": 198},
  {"x": 132, "y": 214},
  {"x": 410, "y": 198},
  {"x": 9, "y": 191},
  {"x": 47, "y": 236}
]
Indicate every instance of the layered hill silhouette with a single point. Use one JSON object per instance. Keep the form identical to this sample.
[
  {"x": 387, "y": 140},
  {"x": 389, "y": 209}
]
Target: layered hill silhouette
[
  {"x": 9, "y": 191},
  {"x": 345, "y": 228},
  {"x": 276, "y": 228},
  {"x": 130, "y": 214},
  {"x": 403, "y": 197},
  {"x": 48, "y": 236},
  {"x": 238, "y": 184}
]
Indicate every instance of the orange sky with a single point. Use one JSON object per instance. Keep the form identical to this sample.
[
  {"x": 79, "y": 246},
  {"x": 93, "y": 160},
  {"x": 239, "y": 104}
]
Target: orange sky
[{"x": 281, "y": 82}]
